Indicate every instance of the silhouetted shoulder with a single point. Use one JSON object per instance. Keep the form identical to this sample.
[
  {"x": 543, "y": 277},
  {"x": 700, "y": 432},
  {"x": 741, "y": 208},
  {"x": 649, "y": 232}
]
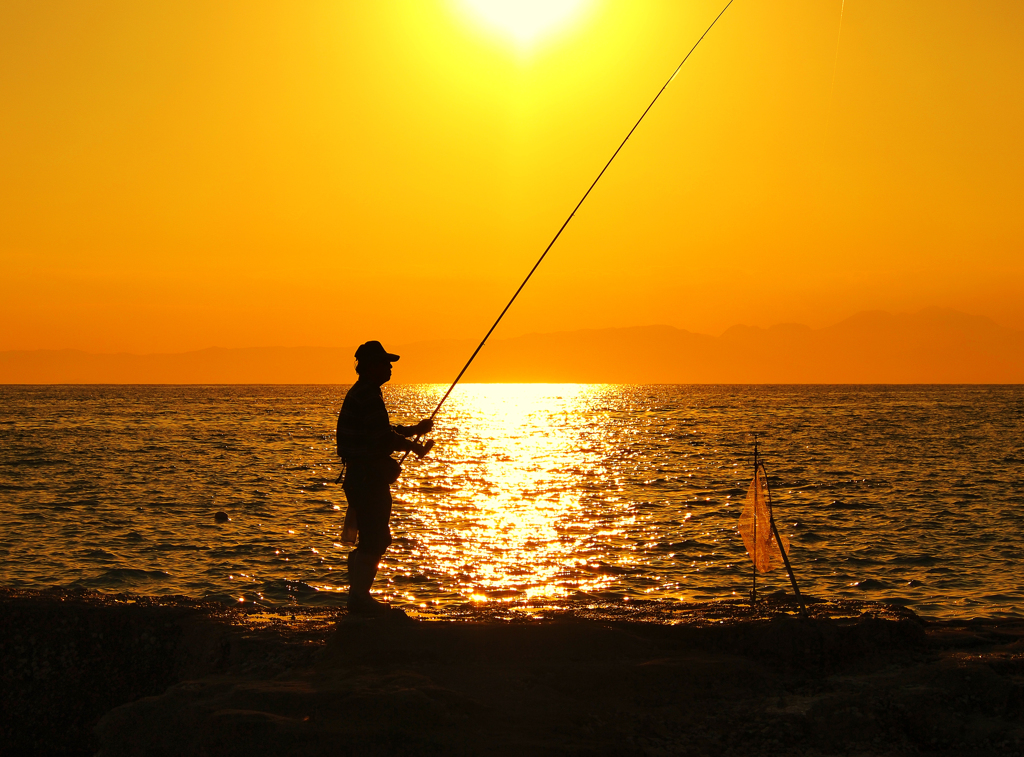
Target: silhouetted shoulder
[{"x": 363, "y": 420}]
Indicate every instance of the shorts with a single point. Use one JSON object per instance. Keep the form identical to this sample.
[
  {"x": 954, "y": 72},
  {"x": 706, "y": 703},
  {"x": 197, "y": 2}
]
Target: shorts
[{"x": 371, "y": 502}]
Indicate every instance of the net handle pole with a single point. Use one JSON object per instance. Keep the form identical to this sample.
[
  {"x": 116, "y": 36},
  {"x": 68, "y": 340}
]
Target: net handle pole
[
  {"x": 566, "y": 223},
  {"x": 782, "y": 548},
  {"x": 753, "y": 590}
]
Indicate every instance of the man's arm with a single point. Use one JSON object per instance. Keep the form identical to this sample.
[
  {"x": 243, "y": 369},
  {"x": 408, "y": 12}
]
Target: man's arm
[
  {"x": 400, "y": 444},
  {"x": 419, "y": 429}
]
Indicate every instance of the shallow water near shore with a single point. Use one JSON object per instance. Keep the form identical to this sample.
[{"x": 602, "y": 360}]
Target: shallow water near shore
[{"x": 908, "y": 494}]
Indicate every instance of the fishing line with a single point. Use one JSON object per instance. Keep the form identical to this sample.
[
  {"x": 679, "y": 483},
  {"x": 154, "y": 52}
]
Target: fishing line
[
  {"x": 573, "y": 213},
  {"x": 832, "y": 88},
  {"x": 839, "y": 38}
]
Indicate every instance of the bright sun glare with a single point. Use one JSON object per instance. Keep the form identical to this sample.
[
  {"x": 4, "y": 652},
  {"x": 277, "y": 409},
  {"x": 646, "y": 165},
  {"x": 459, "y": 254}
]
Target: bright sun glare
[{"x": 525, "y": 21}]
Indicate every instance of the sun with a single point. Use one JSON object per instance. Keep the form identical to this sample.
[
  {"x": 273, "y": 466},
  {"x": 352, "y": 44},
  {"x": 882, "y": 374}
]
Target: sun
[{"x": 525, "y": 22}]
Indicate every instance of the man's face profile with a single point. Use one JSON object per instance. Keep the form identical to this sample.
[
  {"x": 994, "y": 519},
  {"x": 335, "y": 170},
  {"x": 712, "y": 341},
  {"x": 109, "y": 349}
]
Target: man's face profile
[{"x": 378, "y": 370}]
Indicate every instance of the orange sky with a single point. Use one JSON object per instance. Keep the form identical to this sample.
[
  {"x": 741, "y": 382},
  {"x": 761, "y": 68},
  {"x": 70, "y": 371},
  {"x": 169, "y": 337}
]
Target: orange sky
[{"x": 178, "y": 175}]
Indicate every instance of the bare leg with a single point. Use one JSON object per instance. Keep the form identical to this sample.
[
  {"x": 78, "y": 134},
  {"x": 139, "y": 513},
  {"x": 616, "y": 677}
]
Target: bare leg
[
  {"x": 362, "y": 569},
  {"x": 373, "y": 512}
]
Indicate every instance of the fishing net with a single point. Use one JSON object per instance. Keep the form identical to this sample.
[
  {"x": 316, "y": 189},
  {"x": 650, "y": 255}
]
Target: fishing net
[
  {"x": 756, "y": 527},
  {"x": 350, "y": 531}
]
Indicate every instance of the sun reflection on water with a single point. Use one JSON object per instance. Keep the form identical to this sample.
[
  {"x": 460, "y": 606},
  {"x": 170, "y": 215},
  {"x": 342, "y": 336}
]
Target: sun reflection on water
[{"x": 497, "y": 513}]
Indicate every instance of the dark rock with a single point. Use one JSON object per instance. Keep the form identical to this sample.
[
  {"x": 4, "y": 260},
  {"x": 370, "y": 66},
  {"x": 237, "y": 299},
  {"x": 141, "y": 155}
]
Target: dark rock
[
  {"x": 68, "y": 657},
  {"x": 179, "y": 677}
]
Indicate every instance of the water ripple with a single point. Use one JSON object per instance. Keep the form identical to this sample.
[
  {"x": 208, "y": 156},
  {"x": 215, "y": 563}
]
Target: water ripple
[{"x": 911, "y": 494}]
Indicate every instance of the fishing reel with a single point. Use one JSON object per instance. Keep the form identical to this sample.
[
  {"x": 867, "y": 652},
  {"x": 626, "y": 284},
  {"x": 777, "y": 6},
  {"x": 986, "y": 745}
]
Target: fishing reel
[{"x": 421, "y": 450}]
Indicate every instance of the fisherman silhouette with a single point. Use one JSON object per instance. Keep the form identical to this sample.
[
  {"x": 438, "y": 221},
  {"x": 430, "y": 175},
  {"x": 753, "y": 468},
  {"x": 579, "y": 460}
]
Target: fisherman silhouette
[{"x": 366, "y": 440}]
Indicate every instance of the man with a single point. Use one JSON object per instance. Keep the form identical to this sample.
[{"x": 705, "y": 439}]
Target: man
[{"x": 366, "y": 440}]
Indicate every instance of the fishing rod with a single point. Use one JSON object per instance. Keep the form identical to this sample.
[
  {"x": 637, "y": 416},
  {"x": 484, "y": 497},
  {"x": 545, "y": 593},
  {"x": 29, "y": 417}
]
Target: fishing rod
[{"x": 566, "y": 223}]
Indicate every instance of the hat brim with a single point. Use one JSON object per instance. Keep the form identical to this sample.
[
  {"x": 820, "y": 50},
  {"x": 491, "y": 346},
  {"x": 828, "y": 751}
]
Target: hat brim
[{"x": 374, "y": 351}]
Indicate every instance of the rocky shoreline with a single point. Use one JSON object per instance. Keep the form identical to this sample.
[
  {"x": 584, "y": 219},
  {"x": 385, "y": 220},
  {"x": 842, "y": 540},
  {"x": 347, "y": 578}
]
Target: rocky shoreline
[{"x": 91, "y": 673}]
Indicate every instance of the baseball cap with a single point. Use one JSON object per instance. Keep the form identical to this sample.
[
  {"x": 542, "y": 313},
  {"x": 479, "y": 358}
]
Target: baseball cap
[{"x": 374, "y": 350}]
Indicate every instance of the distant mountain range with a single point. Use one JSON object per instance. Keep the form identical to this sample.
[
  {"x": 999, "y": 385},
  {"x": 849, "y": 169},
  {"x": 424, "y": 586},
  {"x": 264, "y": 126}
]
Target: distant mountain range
[{"x": 931, "y": 346}]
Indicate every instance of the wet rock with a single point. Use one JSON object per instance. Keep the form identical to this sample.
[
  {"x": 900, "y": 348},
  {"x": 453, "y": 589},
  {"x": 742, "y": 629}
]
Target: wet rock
[
  {"x": 180, "y": 678},
  {"x": 67, "y": 657},
  {"x": 870, "y": 584}
]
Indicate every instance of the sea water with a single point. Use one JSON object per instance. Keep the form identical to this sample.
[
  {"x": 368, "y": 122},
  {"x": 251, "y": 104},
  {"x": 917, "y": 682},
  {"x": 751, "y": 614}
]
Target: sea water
[{"x": 910, "y": 494}]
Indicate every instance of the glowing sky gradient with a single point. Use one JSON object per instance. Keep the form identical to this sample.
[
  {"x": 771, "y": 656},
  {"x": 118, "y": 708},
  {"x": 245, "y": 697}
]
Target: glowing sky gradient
[
  {"x": 179, "y": 175},
  {"x": 525, "y": 22}
]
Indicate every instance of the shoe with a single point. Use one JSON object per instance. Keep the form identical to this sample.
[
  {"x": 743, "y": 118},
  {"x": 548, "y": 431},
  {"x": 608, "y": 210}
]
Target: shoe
[{"x": 367, "y": 606}]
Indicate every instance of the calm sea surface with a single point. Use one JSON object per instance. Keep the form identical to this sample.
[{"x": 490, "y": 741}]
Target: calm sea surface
[{"x": 907, "y": 493}]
